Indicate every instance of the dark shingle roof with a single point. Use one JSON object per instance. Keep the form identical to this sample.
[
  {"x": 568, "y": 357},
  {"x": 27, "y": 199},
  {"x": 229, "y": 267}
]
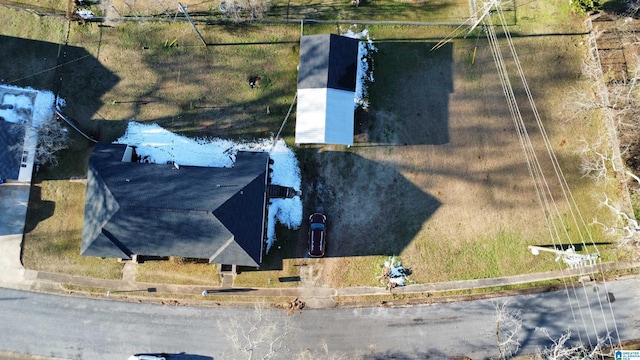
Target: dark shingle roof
[
  {"x": 159, "y": 210},
  {"x": 11, "y": 139},
  {"x": 328, "y": 61}
]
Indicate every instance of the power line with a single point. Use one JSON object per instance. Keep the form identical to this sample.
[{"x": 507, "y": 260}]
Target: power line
[{"x": 543, "y": 191}]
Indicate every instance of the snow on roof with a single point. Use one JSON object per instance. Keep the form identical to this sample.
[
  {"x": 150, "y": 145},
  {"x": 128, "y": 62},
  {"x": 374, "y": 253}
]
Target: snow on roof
[
  {"x": 162, "y": 146},
  {"x": 18, "y": 148},
  {"x": 19, "y": 105}
]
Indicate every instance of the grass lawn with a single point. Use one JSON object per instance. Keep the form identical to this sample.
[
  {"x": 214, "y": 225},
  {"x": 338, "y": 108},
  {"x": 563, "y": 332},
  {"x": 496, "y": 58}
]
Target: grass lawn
[
  {"x": 177, "y": 272},
  {"x": 437, "y": 176},
  {"x": 54, "y": 231},
  {"x": 455, "y": 11}
]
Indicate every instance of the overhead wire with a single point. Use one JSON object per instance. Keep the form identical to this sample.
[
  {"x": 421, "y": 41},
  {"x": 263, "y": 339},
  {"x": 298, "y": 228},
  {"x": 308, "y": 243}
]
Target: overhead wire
[
  {"x": 541, "y": 185},
  {"x": 578, "y": 219},
  {"x": 521, "y": 131},
  {"x": 545, "y": 198}
]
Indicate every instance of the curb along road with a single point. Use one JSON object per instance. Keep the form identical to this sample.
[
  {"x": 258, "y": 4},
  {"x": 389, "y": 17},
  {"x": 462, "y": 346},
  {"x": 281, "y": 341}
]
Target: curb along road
[{"x": 314, "y": 297}]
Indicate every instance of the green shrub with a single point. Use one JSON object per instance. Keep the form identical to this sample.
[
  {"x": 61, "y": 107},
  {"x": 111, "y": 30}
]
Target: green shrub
[{"x": 586, "y": 6}]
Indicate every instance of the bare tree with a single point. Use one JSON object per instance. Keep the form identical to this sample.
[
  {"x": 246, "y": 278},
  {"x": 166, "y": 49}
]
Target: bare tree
[
  {"x": 52, "y": 137},
  {"x": 509, "y": 323},
  {"x": 619, "y": 100},
  {"x": 561, "y": 350},
  {"x": 244, "y": 9},
  {"x": 326, "y": 354},
  {"x": 258, "y": 336},
  {"x": 629, "y": 227},
  {"x": 595, "y": 159},
  {"x": 507, "y": 327}
]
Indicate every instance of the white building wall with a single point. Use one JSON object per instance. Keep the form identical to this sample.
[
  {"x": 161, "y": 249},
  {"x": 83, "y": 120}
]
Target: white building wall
[
  {"x": 325, "y": 116},
  {"x": 340, "y": 117},
  {"x": 311, "y": 116}
]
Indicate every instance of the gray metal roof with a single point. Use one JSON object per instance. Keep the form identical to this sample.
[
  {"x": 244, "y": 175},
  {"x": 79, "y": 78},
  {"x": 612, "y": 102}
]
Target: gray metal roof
[
  {"x": 11, "y": 140},
  {"x": 328, "y": 61},
  {"x": 160, "y": 210}
]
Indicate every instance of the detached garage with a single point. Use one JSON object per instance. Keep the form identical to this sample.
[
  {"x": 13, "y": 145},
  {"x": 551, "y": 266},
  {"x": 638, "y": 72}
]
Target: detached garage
[{"x": 326, "y": 89}]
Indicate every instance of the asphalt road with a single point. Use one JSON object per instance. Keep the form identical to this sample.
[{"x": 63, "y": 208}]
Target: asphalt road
[{"x": 79, "y": 328}]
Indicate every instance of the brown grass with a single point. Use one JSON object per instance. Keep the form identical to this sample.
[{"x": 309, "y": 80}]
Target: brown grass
[
  {"x": 54, "y": 231},
  {"x": 272, "y": 278},
  {"x": 454, "y": 202},
  {"x": 182, "y": 273},
  {"x": 442, "y": 180},
  {"x": 191, "y": 89}
]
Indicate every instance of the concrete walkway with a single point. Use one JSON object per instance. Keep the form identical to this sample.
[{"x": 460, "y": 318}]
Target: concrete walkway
[{"x": 16, "y": 277}]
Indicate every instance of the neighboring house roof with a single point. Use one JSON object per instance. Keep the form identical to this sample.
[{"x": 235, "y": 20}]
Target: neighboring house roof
[
  {"x": 326, "y": 89},
  {"x": 11, "y": 139},
  {"x": 22, "y": 111},
  {"x": 162, "y": 210}
]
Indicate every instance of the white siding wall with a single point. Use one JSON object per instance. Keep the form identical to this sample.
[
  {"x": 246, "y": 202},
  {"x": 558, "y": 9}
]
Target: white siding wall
[
  {"x": 340, "y": 113},
  {"x": 325, "y": 116},
  {"x": 311, "y": 116}
]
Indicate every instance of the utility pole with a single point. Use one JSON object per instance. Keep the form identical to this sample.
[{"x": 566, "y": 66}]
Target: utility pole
[
  {"x": 568, "y": 256},
  {"x": 183, "y": 10}
]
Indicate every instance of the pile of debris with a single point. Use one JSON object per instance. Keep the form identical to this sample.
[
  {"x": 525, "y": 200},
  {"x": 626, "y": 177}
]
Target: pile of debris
[
  {"x": 394, "y": 274},
  {"x": 293, "y": 306}
]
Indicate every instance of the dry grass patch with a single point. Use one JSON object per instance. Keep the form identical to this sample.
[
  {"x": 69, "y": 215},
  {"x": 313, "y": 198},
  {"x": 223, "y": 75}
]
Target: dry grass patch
[
  {"x": 177, "y": 299},
  {"x": 165, "y": 76},
  {"x": 409, "y": 10},
  {"x": 178, "y": 272},
  {"x": 284, "y": 277},
  {"x": 442, "y": 180},
  {"x": 12, "y": 23}
]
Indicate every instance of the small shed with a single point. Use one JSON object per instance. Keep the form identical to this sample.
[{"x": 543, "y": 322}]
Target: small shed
[{"x": 326, "y": 89}]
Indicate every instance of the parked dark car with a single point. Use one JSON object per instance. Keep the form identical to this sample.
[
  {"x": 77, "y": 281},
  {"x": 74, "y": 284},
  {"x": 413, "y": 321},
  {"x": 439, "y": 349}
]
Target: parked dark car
[{"x": 317, "y": 235}]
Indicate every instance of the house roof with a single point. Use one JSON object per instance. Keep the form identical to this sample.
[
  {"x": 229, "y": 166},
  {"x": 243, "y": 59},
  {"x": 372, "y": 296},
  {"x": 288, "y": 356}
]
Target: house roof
[
  {"x": 328, "y": 61},
  {"x": 326, "y": 89},
  {"x": 11, "y": 139},
  {"x": 163, "y": 210}
]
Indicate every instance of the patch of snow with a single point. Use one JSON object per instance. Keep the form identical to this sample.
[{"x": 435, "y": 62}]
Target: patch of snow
[
  {"x": 365, "y": 64},
  {"x": 43, "y": 109},
  {"x": 286, "y": 172},
  {"x": 60, "y": 103},
  {"x": 161, "y": 146},
  {"x": 25, "y": 105}
]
